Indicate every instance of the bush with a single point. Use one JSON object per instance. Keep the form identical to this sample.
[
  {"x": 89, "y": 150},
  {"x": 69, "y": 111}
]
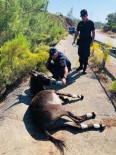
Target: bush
[
  {"x": 100, "y": 55},
  {"x": 17, "y": 60},
  {"x": 19, "y": 53},
  {"x": 114, "y": 86}
]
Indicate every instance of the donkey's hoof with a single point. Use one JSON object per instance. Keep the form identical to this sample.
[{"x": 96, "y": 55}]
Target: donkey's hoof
[
  {"x": 102, "y": 127},
  {"x": 66, "y": 100},
  {"x": 93, "y": 115},
  {"x": 82, "y": 97}
]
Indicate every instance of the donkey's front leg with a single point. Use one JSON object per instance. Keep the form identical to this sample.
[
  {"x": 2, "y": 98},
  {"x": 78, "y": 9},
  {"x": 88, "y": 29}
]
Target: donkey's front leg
[
  {"x": 65, "y": 100},
  {"x": 81, "y": 97},
  {"x": 78, "y": 119}
]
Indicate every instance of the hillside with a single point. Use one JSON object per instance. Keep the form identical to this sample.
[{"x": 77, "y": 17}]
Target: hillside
[{"x": 27, "y": 30}]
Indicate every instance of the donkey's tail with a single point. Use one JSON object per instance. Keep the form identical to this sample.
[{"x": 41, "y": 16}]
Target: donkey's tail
[{"x": 58, "y": 143}]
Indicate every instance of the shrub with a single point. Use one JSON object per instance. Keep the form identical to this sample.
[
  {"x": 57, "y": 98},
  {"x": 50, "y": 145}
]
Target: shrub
[
  {"x": 100, "y": 55},
  {"x": 113, "y": 88},
  {"x": 17, "y": 60}
]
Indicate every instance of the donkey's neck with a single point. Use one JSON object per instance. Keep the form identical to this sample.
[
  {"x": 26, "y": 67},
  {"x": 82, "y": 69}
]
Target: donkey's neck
[{"x": 41, "y": 88}]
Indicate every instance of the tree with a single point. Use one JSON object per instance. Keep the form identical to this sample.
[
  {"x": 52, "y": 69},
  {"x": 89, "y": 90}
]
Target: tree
[
  {"x": 26, "y": 32},
  {"x": 111, "y": 22},
  {"x": 70, "y": 13}
]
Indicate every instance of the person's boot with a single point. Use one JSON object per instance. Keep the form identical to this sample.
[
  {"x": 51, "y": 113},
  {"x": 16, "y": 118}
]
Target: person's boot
[
  {"x": 80, "y": 67},
  {"x": 84, "y": 69}
]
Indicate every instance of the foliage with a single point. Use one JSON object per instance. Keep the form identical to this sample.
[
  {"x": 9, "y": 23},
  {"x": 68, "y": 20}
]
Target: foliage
[
  {"x": 99, "y": 25},
  {"x": 17, "y": 60},
  {"x": 97, "y": 54},
  {"x": 75, "y": 22},
  {"x": 29, "y": 18},
  {"x": 114, "y": 86},
  {"x": 26, "y": 32},
  {"x": 100, "y": 55},
  {"x": 70, "y": 13},
  {"x": 111, "y": 22},
  {"x": 70, "y": 16}
]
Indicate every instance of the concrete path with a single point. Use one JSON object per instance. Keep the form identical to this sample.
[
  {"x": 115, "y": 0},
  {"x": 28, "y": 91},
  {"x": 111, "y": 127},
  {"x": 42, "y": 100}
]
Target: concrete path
[
  {"x": 105, "y": 39},
  {"x": 18, "y": 136}
]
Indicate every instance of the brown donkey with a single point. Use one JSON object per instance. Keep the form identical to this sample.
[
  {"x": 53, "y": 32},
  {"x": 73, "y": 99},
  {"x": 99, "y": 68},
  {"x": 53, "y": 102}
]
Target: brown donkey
[{"x": 47, "y": 109}]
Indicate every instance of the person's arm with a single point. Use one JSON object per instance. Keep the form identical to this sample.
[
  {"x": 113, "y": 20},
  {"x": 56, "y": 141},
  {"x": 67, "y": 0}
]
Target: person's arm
[
  {"x": 64, "y": 66},
  {"x": 65, "y": 72},
  {"x": 93, "y": 37},
  {"x": 93, "y": 33},
  {"x": 65, "y": 75},
  {"x": 48, "y": 61},
  {"x": 76, "y": 35}
]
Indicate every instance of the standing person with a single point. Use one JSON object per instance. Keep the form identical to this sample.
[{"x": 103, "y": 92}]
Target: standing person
[
  {"x": 86, "y": 32},
  {"x": 59, "y": 65}
]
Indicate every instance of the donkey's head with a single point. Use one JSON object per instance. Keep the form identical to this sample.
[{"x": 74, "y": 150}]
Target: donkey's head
[{"x": 38, "y": 81}]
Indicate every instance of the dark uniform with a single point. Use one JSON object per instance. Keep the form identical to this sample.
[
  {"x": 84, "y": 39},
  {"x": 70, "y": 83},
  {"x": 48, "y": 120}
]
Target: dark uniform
[
  {"x": 84, "y": 41},
  {"x": 56, "y": 67}
]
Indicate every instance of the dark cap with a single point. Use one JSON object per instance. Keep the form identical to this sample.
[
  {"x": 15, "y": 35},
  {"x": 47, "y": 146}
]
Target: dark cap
[
  {"x": 83, "y": 13},
  {"x": 52, "y": 51}
]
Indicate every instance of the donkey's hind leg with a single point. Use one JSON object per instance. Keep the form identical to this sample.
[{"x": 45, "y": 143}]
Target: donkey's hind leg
[
  {"x": 65, "y": 123},
  {"x": 78, "y": 119}
]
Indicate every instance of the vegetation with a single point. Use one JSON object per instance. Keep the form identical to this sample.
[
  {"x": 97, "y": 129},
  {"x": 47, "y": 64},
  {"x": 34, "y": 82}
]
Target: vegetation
[
  {"x": 100, "y": 55},
  {"x": 73, "y": 19},
  {"x": 114, "y": 87},
  {"x": 26, "y": 32},
  {"x": 99, "y": 25},
  {"x": 111, "y": 22}
]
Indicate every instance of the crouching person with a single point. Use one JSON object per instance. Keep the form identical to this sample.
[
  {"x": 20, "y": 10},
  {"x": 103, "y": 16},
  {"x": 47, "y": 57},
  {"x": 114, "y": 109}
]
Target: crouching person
[{"x": 59, "y": 65}]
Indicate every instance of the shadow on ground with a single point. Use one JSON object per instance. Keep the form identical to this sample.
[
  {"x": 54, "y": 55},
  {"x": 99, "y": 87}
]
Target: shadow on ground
[
  {"x": 73, "y": 76},
  {"x": 24, "y": 98}
]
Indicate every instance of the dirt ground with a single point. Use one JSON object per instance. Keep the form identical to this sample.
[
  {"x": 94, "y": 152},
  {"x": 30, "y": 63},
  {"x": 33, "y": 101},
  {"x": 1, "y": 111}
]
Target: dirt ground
[{"x": 18, "y": 135}]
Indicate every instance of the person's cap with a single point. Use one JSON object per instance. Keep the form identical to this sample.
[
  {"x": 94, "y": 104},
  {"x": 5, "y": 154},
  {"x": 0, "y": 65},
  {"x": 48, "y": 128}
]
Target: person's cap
[
  {"x": 52, "y": 51},
  {"x": 83, "y": 13}
]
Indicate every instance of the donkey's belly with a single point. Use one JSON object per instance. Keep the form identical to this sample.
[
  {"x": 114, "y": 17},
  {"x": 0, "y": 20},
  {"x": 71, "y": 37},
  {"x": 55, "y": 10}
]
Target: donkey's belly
[{"x": 55, "y": 99}]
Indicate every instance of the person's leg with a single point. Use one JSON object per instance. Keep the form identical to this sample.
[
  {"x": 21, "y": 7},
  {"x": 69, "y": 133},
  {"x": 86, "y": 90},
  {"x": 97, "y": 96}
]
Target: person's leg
[
  {"x": 60, "y": 72},
  {"x": 53, "y": 69},
  {"x": 80, "y": 59},
  {"x": 86, "y": 56},
  {"x": 85, "y": 60}
]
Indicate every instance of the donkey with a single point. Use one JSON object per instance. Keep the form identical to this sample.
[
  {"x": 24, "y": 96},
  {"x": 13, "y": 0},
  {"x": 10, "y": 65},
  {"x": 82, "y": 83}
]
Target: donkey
[{"x": 47, "y": 109}]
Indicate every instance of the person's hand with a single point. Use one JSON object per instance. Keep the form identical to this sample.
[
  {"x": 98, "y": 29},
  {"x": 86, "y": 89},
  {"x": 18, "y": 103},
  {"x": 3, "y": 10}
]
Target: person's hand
[
  {"x": 63, "y": 81},
  {"x": 73, "y": 43}
]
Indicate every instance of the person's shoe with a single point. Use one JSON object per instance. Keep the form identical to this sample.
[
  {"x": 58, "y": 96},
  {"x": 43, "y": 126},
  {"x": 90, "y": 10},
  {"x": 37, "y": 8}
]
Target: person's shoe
[
  {"x": 79, "y": 69},
  {"x": 84, "y": 72}
]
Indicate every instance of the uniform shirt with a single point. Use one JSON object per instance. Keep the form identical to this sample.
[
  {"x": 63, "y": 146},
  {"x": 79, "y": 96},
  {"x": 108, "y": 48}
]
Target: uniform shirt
[
  {"x": 62, "y": 61},
  {"x": 85, "y": 30}
]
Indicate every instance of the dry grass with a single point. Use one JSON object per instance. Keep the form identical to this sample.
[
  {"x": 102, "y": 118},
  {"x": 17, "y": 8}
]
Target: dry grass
[{"x": 110, "y": 122}]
